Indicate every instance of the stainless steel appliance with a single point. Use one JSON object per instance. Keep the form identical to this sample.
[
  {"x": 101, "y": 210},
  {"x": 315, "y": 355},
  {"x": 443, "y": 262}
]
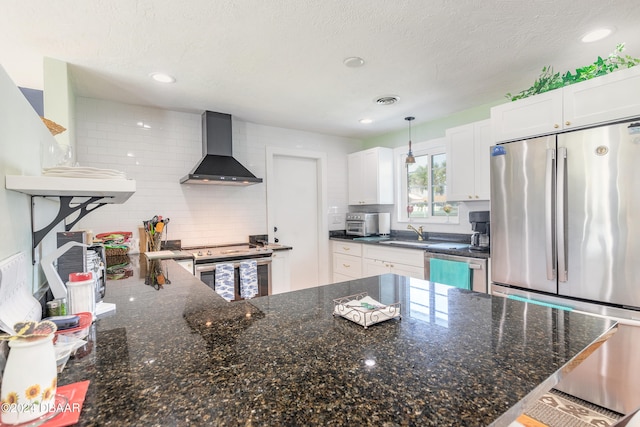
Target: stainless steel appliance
[
  {"x": 207, "y": 258},
  {"x": 362, "y": 224},
  {"x": 480, "y": 224},
  {"x": 477, "y": 269},
  {"x": 218, "y": 166},
  {"x": 564, "y": 214}
]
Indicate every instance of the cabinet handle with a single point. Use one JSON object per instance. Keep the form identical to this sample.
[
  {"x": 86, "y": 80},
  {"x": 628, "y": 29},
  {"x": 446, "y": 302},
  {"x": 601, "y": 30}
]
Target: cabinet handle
[
  {"x": 477, "y": 197},
  {"x": 346, "y": 248},
  {"x": 556, "y": 126},
  {"x": 346, "y": 265},
  {"x": 567, "y": 123},
  {"x": 470, "y": 196},
  {"x": 391, "y": 266}
]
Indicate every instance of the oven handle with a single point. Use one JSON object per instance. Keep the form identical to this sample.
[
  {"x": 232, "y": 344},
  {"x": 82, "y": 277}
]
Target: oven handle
[{"x": 204, "y": 268}]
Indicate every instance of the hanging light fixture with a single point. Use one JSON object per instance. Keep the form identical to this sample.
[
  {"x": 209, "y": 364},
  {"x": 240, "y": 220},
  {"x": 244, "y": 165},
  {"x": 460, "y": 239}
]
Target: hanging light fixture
[{"x": 410, "y": 159}]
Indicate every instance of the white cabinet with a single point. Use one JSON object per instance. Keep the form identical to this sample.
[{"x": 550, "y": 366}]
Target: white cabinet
[
  {"x": 347, "y": 260},
  {"x": 604, "y": 99},
  {"x": 608, "y": 98},
  {"x": 468, "y": 149},
  {"x": 536, "y": 115},
  {"x": 380, "y": 260},
  {"x": 187, "y": 264},
  {"x": 280, "y": 272},
  {"x": 371, "y": 177}
]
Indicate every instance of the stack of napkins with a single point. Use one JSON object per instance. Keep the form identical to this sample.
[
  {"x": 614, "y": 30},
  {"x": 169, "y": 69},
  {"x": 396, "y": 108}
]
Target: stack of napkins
[
  {"x": 366, "y": 311},
  {"x": 83, "y": 172}
]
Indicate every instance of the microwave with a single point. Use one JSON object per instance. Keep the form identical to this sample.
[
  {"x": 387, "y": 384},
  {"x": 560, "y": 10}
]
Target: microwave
[{"x": 362, "y": 224}]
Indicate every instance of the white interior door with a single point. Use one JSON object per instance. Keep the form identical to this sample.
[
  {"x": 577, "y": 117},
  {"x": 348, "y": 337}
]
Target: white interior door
[{"x": 296, "y": 213}]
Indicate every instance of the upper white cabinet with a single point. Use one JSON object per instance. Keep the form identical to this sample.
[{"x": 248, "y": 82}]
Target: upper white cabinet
[
  {"x": 468, "y": 149},
  {"x": 607, "y": 98},
  {"x": 611, "y": 97},
  {"x": 536, "y": 115},
  {"x": 371, "y": 177}
]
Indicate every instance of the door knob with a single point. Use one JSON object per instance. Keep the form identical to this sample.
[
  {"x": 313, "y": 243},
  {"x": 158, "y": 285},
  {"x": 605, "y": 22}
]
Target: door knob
[
  {"x": 276, "y": 240},
  {"x": 275, "y": 229}
]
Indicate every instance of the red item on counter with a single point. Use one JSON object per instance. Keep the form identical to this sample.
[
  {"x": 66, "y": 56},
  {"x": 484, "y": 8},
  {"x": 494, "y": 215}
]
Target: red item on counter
[
  {"x": 70, "y": 409},
  {"x": 76, "y": 393},
  {"x": 80, "y": 277}
]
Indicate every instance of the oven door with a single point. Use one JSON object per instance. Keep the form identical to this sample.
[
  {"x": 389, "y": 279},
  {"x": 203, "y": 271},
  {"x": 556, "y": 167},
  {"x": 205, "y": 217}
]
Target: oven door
[
  {"x": 207, "y": 273},
  {"x": 354, "y": 228}
]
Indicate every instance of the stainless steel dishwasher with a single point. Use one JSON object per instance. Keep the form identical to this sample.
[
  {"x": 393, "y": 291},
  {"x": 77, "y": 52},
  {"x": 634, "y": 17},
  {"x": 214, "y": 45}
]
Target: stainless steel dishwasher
[{"x": 477, "y": 267}]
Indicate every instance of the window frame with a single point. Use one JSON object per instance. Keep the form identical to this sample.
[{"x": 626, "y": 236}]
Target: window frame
[{"x": 431, "y": 147}]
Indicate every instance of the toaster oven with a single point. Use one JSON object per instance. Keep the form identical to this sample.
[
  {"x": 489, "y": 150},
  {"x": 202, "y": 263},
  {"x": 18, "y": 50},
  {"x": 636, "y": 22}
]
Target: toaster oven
[{"x": 361, "y": 224}]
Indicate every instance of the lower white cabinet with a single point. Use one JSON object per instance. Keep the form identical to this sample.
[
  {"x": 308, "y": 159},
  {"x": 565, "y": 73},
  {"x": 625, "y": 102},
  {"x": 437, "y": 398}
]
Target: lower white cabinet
[
  {"x": 380, "y": 260},
  {"x": 347, "y": 260},
  {"x": 280, "y": 272},
  {"x": 347, "y": 265},
  {"x": 187, "y": 264},
  {"x": 356, "y": 260}
]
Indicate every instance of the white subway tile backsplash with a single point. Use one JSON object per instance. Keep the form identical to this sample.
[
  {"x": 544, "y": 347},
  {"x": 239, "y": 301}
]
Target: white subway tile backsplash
[{"x": 108, "y": 136}]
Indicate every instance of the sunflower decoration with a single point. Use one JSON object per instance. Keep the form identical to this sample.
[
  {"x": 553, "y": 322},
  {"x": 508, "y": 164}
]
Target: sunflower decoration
[
  {"x": 31, "y": 330},
  {"x": 12, "y": 398},
  {"x": 32, "y": 392},
  {"x": 48, "y": 394}
]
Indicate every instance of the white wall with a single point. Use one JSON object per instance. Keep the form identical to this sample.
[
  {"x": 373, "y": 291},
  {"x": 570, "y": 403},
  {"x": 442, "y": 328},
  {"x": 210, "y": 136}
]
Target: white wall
[
  {"x": 22, "y": 134},
  {"x": 59, "y": 99},
  {"x": 158, "y": 156}
]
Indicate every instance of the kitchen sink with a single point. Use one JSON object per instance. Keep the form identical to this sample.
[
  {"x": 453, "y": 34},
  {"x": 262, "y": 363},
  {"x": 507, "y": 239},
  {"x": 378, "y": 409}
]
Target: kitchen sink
[
  {"x": 426, "y": 245},
  {"x": 406, "y": 243}
]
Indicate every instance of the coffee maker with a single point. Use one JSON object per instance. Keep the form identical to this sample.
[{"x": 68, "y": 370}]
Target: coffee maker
[{"x": 480, "y": 225}]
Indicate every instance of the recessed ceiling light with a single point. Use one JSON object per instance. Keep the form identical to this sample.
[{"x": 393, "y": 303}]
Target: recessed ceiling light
[
  {"x": 366, "y": 121},
  {"x": 597, "y": 34},
  {"x": 353, "y": 62},
  {"x": 163, "y": 78}
]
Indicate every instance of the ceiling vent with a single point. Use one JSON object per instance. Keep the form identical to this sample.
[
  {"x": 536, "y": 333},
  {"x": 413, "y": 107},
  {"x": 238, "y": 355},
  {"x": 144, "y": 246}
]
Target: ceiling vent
[{"x": 387, "y": 100}]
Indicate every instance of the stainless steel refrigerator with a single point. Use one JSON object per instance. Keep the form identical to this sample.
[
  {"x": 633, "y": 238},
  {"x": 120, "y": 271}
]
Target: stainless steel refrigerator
[{"x": 565, "y": 214}]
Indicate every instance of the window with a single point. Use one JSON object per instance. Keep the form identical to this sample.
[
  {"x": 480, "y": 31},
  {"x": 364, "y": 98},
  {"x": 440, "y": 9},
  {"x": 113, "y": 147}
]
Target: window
[{"x": 423, "y": 192}]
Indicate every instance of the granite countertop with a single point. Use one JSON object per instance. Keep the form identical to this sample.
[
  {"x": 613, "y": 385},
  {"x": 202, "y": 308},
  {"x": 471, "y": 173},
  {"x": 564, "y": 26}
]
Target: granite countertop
[
  {"x": 181, "y": 355},
  {"x": 406, "y": 237}
]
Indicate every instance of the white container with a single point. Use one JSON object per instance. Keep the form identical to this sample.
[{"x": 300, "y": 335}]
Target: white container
[
  {"x": 29, "y": 381},
  {"x": 81, "y": 294},
  {"x": 384, "y": 223}
]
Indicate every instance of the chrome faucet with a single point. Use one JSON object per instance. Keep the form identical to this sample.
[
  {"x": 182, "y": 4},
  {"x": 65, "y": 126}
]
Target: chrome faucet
[{"x": 418, "y": 231}]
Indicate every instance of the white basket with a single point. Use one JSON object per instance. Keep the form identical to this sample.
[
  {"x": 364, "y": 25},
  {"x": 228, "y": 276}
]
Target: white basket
[{"x": 364, "y": 310}]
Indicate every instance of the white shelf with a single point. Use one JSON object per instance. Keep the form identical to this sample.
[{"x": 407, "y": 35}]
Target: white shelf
[
  {"x": 96, "y": 192},
  {"x": 112, "y": 190}
]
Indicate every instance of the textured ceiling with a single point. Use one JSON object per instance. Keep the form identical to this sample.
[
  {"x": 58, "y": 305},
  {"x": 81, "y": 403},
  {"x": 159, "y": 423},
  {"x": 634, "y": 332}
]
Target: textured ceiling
[{"x": 280, "y": 62}]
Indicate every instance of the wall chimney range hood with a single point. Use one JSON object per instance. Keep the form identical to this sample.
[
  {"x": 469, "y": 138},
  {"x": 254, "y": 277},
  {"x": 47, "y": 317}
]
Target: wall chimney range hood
[{"x": 217, "y": 165}]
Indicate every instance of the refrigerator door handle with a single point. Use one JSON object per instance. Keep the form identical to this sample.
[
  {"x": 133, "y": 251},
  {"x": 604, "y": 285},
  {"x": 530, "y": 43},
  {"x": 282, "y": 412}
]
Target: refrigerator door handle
[
  {"x": 561, "y": 203},
  {"x": 549, "y": 223}
]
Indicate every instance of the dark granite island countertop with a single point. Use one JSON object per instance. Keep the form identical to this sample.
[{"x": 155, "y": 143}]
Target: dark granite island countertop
[{"x": 181, "y": 355}]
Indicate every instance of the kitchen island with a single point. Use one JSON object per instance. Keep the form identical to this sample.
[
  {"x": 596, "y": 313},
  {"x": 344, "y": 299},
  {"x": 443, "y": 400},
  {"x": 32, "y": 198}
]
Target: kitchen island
[{"x": 181, "y": 355}]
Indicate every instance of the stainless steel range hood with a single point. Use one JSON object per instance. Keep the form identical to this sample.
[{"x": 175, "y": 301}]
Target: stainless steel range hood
[{"x": 217, "y": 165}]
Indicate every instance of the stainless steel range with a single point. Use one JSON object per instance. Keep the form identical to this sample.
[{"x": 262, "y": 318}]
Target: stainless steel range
[{"x": 208, "y": 257}]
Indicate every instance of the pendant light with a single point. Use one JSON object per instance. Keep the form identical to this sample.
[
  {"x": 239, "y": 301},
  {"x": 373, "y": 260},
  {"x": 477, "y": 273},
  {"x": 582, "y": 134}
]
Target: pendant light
[{"x": 410, "y": 159}]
